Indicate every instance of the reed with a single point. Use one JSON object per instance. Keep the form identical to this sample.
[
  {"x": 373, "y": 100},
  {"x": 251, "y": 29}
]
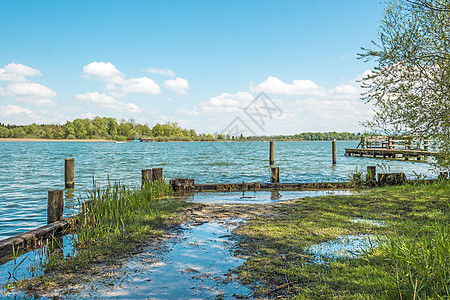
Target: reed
[{"x": 117, "y": 212}]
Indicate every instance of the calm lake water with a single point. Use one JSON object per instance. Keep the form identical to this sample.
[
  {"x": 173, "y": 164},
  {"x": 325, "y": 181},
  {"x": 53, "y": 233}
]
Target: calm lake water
[{"x": 29, "y": 169}]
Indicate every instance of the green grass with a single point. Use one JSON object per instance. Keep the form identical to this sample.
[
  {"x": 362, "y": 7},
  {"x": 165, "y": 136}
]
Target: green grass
[{"x": 412, "y": 260}]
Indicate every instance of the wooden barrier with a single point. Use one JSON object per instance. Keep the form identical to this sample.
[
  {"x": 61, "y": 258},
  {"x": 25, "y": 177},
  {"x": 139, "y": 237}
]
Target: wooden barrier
[
  {"x": 391, "y": 178},
  {"x": 181, "y": 185},
  {"x": 157, "y": 174},
  {"x": 146, "y": 176},
  {"x": 272, "y": 153},
  {"x": 274, "y": 174},
  {"x": 69, "y": 173},
  {"x": 55, "y": 206},
  {"x": 371, "y": 175},
  {"x": 34, "y": 238}
]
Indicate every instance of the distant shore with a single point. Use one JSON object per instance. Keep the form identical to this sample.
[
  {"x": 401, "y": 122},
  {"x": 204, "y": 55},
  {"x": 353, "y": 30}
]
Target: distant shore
[
  {"x": 170, "y": 141},
  {"x": 50, "y": 140}
]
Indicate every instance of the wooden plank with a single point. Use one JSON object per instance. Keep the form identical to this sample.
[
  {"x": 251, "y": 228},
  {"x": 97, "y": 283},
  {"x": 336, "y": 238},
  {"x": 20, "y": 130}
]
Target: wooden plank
[{"x": 32, "y": 238}]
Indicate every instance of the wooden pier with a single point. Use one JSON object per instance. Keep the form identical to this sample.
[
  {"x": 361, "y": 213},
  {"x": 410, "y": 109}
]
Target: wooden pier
[{"x": 391, "y": 147}]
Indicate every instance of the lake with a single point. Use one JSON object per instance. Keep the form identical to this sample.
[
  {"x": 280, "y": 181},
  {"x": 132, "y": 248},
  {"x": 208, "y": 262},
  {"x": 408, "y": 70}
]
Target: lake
[{"x": 30, "y": 169}]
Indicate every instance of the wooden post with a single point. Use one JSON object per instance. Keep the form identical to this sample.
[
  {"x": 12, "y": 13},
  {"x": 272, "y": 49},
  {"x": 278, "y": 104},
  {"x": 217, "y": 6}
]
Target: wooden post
[
  {"x": 272, "y": 153},
  {"x": 333, "y": 150},
  {"x": 425, "y": 145},
  {"x": 371, "y": 175},
  {"x": 157, "y": 174},
  {"x": 274, "y": 174},
  {"x": 146, "y": 176},
  {"x": 55, "y": 206},
  {"x": 69, "y": 173}
]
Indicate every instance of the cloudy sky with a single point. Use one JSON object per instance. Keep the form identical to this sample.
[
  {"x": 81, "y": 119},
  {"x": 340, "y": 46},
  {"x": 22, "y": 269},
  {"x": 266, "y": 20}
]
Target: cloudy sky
[{"x": 199, "y": 63}]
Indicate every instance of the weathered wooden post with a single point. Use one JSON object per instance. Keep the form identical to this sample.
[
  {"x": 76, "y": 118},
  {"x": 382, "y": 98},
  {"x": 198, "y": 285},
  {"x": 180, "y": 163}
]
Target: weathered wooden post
[
  {"x": 146, "y": 176},
  {"x": 425, "y": 145},
  {"x": 371, "y": 175},
  {"x": 272, "y": 153},
  {"x": 55, "y": 206},
  {"x": 69, "y": 173},
  {"x": 333, "y": 150},
  {"x": 274, "y": 174},
  {"x": 157, "y": 174}
]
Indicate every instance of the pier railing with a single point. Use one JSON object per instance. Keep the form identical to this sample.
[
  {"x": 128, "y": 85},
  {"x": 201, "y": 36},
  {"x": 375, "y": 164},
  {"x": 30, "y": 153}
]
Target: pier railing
[{"x": 392, "y": 143}]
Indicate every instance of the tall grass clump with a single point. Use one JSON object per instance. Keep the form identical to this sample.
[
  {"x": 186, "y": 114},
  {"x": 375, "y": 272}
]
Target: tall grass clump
[
  {"x": 420, "y": 265},
  {"x": 115, "y": 215}
]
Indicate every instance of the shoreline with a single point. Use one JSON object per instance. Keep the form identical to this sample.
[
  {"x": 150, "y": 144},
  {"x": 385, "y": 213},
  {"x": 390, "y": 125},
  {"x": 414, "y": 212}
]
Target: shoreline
[
  {"x": 111, "y": 141},
  {"x": 51, "y": 140}
]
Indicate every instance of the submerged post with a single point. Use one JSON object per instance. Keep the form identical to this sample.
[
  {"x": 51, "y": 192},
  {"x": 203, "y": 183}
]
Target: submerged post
[
  {"x": 146, "y": 176},
  {"x": 69, "y": 173},
  {"x": 55, "y": 206},
  {"x": 333, "y": 150},
  {"x": 274, "y": 174},
  {"x": 272, "y": 153},
  {"x": 157, "y": 174}
]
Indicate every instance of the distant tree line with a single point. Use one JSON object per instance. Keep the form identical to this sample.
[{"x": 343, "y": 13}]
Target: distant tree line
[
  {"x": 111, "y": 129},
  {"x": 313, "y": 136},
  {"x": 103, "y": 128}
]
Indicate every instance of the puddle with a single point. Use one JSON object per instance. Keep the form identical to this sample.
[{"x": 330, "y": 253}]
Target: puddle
[
  {"x": 371, "y": 222},
  {"x": 259, "y": 197},
  {"x": 192, "y": 265},
  {"x": 349, "y": 246},
  {"x": 29, "y": 265}
]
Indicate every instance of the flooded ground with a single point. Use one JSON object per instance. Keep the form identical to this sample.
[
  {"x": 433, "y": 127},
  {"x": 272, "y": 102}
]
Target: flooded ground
[
  {"x": 348, "y": 246},
  {"x": 192, "y": 260},
  {"x": 259, "y": 197},
  {"x": 192, "y": 265}
]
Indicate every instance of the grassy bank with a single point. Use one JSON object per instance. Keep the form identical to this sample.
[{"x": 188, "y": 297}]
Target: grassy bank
[
  {"x": 410, "y": 257},
  {"x": 113, "y": 222}
]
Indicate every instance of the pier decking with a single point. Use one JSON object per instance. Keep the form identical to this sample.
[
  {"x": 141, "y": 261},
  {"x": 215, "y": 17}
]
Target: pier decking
[
  {"x": 391, "y": 147},
  {"x": 389, "y": 153}
]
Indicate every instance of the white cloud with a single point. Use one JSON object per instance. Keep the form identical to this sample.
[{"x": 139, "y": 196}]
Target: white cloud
[
  {"x": 33, "y": 93},
  {"x": 116, "y": 83},
  {"x": 11, "y": 77},
  {"x": 14, "y": 114},
  {"x": 29, "y": 89},
  {"x": 184, "y": 111},
  {"x": 275, "y": 86},
  {"x": 17, "y": 72},
  {"x": 305, "y": 106},
  {"x": 105, "y": 101},
  {"x": 227, "y": 102},
  {"x": 165, "y": 72},
  {"x": 103, "y": 71},
  {"x": 20, "y": 69},
  {"x": 88, "y": 115},
  {"x": 178, "y": 85},
  {"x": 141, "y": 85}
]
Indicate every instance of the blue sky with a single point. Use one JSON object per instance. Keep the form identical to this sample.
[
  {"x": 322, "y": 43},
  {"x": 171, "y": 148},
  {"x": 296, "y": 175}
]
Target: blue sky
[{"x": 198, "y": 63}]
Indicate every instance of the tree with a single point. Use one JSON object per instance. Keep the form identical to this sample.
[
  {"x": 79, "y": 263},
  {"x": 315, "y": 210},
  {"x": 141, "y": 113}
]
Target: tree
[{"x": 410, "y": 86}]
